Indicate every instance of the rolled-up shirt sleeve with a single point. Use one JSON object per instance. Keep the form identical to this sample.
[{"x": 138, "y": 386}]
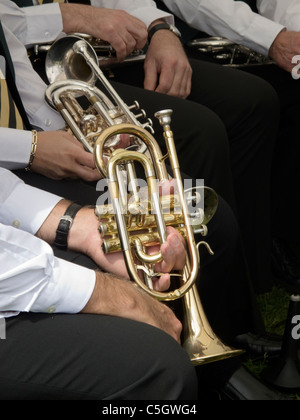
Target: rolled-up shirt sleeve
[{"x": 33, "y": 280}]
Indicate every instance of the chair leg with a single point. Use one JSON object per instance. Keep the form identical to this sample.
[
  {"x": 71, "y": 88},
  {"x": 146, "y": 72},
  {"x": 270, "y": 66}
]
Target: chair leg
[{"x": 284, "y": 371}]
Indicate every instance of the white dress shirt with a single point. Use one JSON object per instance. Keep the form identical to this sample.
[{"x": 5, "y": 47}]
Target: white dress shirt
[
  {"x": 31, "y": 278},
  {"x": 230, "y": 19}
]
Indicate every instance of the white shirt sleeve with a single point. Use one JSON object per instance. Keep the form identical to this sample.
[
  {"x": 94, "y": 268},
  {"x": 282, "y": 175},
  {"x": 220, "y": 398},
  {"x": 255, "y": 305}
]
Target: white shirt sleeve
[
  {"x": 32, "y": 279},
  {"x": 286, "y": 12},
  {"x": 15, "y": 145},
  {"x": 32, "y": 24},
  {"x": 23, "y": 206},
  {"x": 230, "y": 19}
]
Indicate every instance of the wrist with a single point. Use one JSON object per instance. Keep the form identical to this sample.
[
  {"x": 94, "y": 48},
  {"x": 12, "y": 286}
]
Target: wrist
[
  {"x": 82, "y": 231},
  {"x": 155, "y": 22},
  {"x": 33, "y": 150},
  {"x": 74, "y": 17},
  {"x": 277, "y": 40},
  {"x": 47, "y": 231},
  {"x": 65, "y": 225},
  {"x": 159, "y": 26}
]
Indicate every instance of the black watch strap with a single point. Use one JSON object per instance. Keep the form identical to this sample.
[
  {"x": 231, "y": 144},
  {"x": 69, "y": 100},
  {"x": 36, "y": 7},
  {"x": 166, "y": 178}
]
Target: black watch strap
[
  {"x": 156, "y": 28},
  {"x": 62, "y": 232}
]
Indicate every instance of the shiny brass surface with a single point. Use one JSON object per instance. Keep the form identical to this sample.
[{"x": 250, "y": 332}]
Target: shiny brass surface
[
  {"x": 199, "y": 340},
  {"x": 228, "y": 53},
  {"x": 72, "y": 70}
]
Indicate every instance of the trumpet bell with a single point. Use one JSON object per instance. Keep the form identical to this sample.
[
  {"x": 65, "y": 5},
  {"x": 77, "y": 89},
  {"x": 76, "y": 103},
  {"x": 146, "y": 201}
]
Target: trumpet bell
[
  {"x": 62, "y": 63},
  {"x": 200, "y": 342}
]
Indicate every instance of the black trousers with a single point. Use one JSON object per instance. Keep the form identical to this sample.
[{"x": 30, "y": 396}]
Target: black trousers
[{"x": 285, "y": 169}]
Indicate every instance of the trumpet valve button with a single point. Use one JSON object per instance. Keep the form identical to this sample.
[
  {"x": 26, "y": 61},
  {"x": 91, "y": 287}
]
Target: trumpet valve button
[{"x": 135, "y": 105}]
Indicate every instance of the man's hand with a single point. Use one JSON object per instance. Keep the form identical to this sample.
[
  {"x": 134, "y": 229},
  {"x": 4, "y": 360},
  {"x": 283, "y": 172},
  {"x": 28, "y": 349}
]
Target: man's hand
[
  {"x": 118, "y": 297},
  {"x": 167, "y": 68},
  {"x": 124, "y": 32},
  {"x": 85, "y": 238},
  {"x": 284, "y": 48},
  {"x": 59, "y": 155}
]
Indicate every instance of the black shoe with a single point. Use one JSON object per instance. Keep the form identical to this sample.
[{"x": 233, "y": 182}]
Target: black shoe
[
  {"x": 258, "y": 346},
  {"x": 286, "y": 265},
  {"x": 244, "y": 386}
]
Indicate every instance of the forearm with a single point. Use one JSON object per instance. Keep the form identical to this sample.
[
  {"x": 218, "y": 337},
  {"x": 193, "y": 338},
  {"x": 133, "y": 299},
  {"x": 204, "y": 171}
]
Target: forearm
[{"x": 76, "y": 17}]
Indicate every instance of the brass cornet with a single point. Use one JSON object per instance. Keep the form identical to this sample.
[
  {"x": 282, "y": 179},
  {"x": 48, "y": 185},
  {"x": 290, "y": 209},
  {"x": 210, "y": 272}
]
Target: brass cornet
[{"x": 132, "y": 223}]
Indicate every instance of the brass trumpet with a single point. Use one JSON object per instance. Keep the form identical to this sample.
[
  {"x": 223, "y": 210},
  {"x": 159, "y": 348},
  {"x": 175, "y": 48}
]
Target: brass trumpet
[
  {"x": 71, "y": 76},
  {"x": 228, "y": 53},
  {"x": 134, "y": 222}
]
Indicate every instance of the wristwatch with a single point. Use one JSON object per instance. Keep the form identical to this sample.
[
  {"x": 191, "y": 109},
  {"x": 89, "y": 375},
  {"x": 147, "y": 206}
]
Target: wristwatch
[
  {"x": 65, "y": 223},
  {"x": 160, "y": 26}
]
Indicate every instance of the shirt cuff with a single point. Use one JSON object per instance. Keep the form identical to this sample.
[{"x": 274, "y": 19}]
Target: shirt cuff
[
  {"x": 261, "y": 34},
  {"x": 149, "y": 15},
  {"x": 15, "y": 148},
  {"x": 44, "y": 23},
  {"x": 68, "y": 292},
  {"x": 32, "y": 279},
  {"x": 36, "y": 206}
]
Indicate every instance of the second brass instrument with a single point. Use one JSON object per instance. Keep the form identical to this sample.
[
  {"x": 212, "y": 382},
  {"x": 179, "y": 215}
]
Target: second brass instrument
[
  {"x": 132, "y": 223},
  {"x": 228, "y": 53}
]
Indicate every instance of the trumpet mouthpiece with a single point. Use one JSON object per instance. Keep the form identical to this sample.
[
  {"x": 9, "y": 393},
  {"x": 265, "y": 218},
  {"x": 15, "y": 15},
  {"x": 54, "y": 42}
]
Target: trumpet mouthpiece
[
  {"x": 79, "y": 46},
  {"x": 164, "y": 116}
]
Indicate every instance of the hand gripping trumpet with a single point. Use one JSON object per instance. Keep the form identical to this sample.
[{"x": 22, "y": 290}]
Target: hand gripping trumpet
[{"x": 132, "y": 223}]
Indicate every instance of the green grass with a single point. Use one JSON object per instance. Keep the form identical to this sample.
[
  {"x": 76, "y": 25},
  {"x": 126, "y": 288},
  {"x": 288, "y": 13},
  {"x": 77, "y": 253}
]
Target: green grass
[{"x": 274, "y": 307}]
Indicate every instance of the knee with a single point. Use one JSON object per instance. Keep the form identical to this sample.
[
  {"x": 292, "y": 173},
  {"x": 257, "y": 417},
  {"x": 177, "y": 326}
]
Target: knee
[
  {"x": 260, "y": 100},
  {"x": 176, "y": 375}
]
